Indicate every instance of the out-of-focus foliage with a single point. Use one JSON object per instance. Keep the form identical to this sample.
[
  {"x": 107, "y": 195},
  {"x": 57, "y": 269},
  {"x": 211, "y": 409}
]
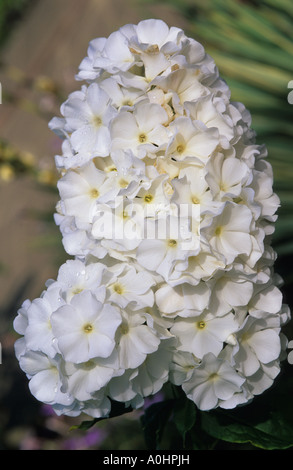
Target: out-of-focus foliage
[
  {"x": 15, "y": 163},
  {"x": 10, "y": 12}
]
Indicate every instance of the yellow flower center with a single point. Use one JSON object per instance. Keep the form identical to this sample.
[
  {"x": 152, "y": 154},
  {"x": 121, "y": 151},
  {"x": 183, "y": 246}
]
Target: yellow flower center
[
  {"x": 127, "y": 102},
  {"x": 148, "y": 198},
  {"x": 123, "y": 183},
  {"x": 218, "y": 231},
  {"x": 180, "y": 148},
  {"x": 94, "y": 193},
  {"x": 195, "y": 200},
  {"x": 213, "y": 376},
  {"x": 223, "y": 187},
  {"x": 97, "y": 121},
  {"x": 142, "y": 138},
  {"x": 153, "y": 49},
  {"x": 172, "y": 243},
  {"x": 111, "y": 168},
  {"x": 77, "y": 290},
  {"x": 118, "y": 288},
  {"x": 201, "y": 325},
  {"x": 88, "y": 328}
]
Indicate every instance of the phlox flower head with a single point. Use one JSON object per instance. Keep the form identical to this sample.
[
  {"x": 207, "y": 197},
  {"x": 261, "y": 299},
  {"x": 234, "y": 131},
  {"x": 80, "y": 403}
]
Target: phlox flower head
[{"x": 166, "y": 208}]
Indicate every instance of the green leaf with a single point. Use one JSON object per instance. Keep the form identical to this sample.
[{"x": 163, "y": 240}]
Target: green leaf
[
  {"x": 184, "y": 416},
  {"x": 286, "y": 5},
  {"x": 266, "y": 423},
  {"x": 252, "y": 72},
  {"x": 284, "y": 248},
  {"x": 117, "y": 409},
  {"x": 271, "y": 435},
  {"x": 154, "y": 422}
]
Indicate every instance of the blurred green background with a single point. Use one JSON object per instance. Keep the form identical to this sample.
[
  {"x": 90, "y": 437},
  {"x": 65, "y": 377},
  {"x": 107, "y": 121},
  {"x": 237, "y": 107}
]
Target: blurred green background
[{"x": 252, "y": 44}]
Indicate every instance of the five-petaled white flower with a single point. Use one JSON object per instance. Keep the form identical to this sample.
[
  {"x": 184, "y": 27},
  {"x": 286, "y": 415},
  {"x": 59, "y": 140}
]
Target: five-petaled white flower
[{"x": 85, "y": 328}]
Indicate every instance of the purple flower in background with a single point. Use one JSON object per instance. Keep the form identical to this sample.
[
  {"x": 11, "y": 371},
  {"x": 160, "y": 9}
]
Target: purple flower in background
[{"x": 93, "y": 437}]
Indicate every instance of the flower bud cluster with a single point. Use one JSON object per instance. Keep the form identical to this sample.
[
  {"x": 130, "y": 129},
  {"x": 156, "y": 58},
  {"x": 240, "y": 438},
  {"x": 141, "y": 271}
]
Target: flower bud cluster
[{"x": 167, "y": 209}]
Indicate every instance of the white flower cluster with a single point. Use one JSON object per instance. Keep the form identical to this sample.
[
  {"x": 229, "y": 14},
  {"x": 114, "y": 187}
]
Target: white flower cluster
[{"x": 167, "y": 208}]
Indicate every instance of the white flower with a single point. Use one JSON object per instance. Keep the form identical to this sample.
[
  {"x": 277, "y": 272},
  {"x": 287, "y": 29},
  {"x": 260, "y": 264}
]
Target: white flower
[
  {"x": 87, "y": 114},
  {"x": 191, "y": 188},
  {"x": 20, "y": 321},
  {"x": 192, "y": 141},
  {"x": 229, "y": 233},
  {"x": 184, "y": 84},
  {"x": 266, "y": 298},
  {"x": 212, "y": 111},
  {"x": 263, "y": 378},
  {"x": 154, "y": 371},
  {"x": 154, "y": 43},
  {"x": 195, "y": 268},
  {"x": 80, "y": 191},
  {"x": 167, "y": 208},
  {"x": 78, "y": 242},
  {"x": 153, "y": 200},
  {"x": 185, "y": 299},
  {"x": 141, "y": 131},
  {"x": 227, "y": 176},
  {"x": 135, "y": 340},
  {"x": 97, "y": 407},
  {"x": 132, "y": 288},
  {"x": 214, "y": 381},
  {"x": 74, "y": 276},
  {"x": 115, "y": 55},
  {"x": 182, "y": 365},
  {"x": 121, "y": 389},
  {"x": 157, "y": 322},
  {"x": 68, "y": 159},
  {"x": 87, "y": 378},
  {"x": 86, "y": 67},
  {"x": 121, "y": 96},
  {"x": 38, "y": 334},
  {"x": 45, "y": 378},
  {"x": 204, "y": 333},
  {"x": 175, "y": 241},
  {"x": 118, "y": 228},
  {"x": 85, "y": 328},
  {"x": 263, "y": 190},
  {"x": 258, "y": 342},
  {"x": 229, "y": 292},
  {"x": 290, "y": 354},
  {"x": 156, "y": 32}
]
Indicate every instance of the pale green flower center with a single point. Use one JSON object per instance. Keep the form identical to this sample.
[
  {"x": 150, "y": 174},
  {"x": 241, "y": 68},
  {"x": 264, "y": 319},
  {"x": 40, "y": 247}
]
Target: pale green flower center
[{"x": 118, "y": 288}]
